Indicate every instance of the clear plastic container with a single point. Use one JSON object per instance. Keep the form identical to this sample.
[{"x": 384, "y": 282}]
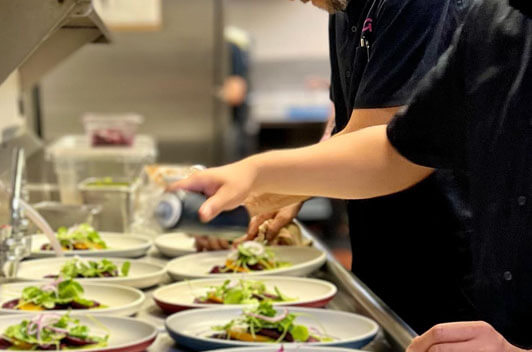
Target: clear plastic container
[
  {"x": 75, "y": 160},
  {"x": 111, "y": 130}
]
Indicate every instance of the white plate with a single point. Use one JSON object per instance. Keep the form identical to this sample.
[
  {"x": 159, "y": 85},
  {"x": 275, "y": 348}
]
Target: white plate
[
  {"x": 299, "y": 348},
  {"x": 306, "y": 292},
  {"x": 141, "y": 274},
  {"x": 304, "y": 261},
  {"x": 175, "y": 244},
  {"x": 119, "y": 245},
  {"x": 192, "y": 328},
  {"x": 119, "y": 300},
  {"x": 126, "y": 334}
]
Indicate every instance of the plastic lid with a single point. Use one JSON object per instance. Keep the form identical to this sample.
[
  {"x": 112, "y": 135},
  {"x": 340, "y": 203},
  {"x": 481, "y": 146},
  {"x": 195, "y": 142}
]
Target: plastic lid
[{"x": 78, "y": 148}]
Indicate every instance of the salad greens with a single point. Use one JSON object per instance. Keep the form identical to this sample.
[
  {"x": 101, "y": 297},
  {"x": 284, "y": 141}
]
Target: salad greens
[
  {"x": 58, "y": 294},
  {"x": 77, "y": 268},
  {"x": 81, "y": 237},
  {"x": 50, "y": 331},
  {"x": 250, "y": 256},
  {"x": 241, "y": 292},
  {"x": 264, "y": 324}
]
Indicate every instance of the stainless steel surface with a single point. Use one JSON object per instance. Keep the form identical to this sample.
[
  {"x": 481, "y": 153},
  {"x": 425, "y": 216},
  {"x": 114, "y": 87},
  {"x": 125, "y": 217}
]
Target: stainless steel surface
[
  {"x": 168, "y": 76},
  {"x": 36, "y": 34},
  {"x": 14, "y": 245}
]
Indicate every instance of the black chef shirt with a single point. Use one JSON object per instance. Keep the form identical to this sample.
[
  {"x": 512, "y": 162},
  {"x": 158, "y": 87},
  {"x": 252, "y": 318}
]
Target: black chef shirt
[
  {"x": 406, "y": 247},
  {"x": 474, "y": 113}
]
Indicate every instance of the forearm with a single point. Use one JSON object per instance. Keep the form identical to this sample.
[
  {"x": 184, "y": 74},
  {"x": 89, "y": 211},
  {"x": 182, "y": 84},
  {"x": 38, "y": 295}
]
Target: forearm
[{"x": 356, "y": 165}]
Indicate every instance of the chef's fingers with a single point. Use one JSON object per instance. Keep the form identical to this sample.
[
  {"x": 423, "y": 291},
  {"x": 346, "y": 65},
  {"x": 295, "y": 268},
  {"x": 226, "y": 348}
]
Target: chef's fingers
[
  {"x": 199, "y": 182},
  {"x": 254, "y": 224},
  {"x": 225, "y": 198},
  {"x": 448, "y": 333},
  {"x": 278, "y": 222}
]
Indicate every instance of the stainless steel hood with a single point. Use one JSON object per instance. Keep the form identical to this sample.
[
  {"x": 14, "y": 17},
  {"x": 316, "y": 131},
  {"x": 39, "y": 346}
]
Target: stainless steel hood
[{"x": 35, "y": 35}]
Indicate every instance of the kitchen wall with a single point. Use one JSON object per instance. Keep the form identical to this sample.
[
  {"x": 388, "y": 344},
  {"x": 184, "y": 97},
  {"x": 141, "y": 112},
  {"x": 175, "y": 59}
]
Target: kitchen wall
[
  {"x": 167, "y": 76},
  {"x": 11, "y": 118}
]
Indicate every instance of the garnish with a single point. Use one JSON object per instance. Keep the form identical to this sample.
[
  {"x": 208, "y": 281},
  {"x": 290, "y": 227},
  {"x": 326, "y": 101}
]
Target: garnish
[
  {"x": 249, "y": 256},
  {"x": 50, "y": 331},
  {"x": 241, "y": 292},
  {"x": 265, "y": 324},
  {"x": 56, "y": 295},
  {"x": 81, "y": 237},
  {"x": 77, "y": 268}
]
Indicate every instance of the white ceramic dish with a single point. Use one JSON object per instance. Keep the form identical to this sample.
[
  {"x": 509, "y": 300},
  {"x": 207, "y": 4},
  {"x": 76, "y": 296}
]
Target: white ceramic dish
[
  {"x": 119, "y": 245},
  {"x": 192, "y": 328},
  {"x": 287, "y": 349},
  {"x": 126, "y": 334},
  {"x": 305, "y": 292},
  {"x": 119, "y": 300},
  {"x": 175, "y": 244},
  {"x": 142, "y": 274},
  {"x": 304, "y": 261}
]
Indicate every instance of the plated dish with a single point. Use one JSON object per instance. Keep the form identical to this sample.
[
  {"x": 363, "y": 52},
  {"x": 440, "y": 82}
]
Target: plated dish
[
  {"x": 208, "y": 293},
  {"x": 78, "y": 238},
  {"x": 51, "y": 331},
  {"x": 69, "y": 295},
  {"x": 106, "y": 244},
  {"x": 287, "y": 349},
  {"x": 214, "y": 328},
  {"x": 91, "y": 268},
  {"x": 140, "y": 273},
  {"x": 249, "y": 257},
  {"x": 302, "y": 261}
]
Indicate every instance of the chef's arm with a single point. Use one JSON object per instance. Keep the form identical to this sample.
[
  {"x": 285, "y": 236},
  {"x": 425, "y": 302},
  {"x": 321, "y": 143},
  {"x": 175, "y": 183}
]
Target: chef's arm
[
  {"x": 360, "y": 119},
  {"x": 355, "y": 165}
]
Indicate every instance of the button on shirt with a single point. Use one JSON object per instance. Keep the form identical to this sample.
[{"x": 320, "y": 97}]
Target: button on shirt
[{"x": 472, "y": 113}]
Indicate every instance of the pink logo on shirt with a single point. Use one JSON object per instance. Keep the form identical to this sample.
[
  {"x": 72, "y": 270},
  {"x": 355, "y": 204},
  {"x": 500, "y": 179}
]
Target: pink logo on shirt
[{"x": 368, "y": 25}]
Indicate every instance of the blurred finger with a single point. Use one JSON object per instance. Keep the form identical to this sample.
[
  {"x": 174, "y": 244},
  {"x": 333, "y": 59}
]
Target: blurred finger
[
  {"x": 214, "y": 244},
  {"x": 240, "y": 240},
  {"x": 446, "y": 333},
  {"x": 254, "y": 224},
  {"x": 275, "y": 226},
  {"x": 222, "y": 200}
]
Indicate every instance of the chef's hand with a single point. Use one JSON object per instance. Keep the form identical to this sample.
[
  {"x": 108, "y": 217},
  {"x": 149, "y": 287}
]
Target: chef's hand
[
  {"x": 279, "y": 219},
  {"x": 474, "y": 336},
  {"x": 226, "y": 187}
]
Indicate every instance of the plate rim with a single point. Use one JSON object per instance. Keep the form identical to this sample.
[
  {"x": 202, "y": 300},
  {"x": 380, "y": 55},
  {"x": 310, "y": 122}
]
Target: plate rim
[
  {"x": 158, "y": 245},
  {"x": 141, "y": 298},
  {"x": 368, "y": 336},
  {"x": 277, "y": 272},
  {"x": 331, "y": 295},
  {"x": 148, "y": 339}
]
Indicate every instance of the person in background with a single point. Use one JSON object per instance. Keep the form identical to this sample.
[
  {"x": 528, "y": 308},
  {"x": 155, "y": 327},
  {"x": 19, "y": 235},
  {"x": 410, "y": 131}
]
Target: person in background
[
  {"x": 472, "y": 113},
  {"x": 379, "y": 50}
]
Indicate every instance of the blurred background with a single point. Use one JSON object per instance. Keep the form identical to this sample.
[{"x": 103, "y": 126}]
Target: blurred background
[{"x": 212, "y": 80}]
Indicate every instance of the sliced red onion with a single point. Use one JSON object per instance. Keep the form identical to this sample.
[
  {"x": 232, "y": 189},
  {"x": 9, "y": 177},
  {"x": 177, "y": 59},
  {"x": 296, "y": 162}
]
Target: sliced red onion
[
  {"x": 275, "y": 319},
  {"x": 254, "y": 248}
]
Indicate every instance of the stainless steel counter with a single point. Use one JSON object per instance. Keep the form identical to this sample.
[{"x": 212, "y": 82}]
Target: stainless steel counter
[{"x": 353, "y": 296}]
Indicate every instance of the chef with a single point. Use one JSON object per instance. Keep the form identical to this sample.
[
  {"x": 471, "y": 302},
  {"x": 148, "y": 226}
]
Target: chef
[
  {"x": 472, "y": 113},
  {"x": 379, "y": 50}
]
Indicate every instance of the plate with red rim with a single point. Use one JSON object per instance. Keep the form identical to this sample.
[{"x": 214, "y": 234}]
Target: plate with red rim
[
  {"x": 305, "y": 292},
  {"x": 142, "y": 274},
  {"x": 125, "y": 334},
  {"x": 194, "y": 328},
  {"x": 116, "y": 300},
  {"x": 282, "y": 348},
  {"x": 303, "y": 261},
  {"x": 119, "y": 245}
]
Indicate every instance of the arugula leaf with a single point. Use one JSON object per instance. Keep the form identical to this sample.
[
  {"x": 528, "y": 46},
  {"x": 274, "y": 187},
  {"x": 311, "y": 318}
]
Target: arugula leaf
[
  {"x": 125, "y": 268},
  {"x": 300, "y": 333}
]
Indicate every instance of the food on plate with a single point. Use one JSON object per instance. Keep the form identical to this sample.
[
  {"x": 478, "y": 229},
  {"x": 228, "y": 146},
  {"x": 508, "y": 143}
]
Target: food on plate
[
  {"x": 265, "y": 324},
  {"x": 82, "y": 268},
  {"x": 78, "y": 238},
  {"x": 50, "y": 331},
  {"x": 241, "y": 292},
  {"x": 289, "y": 235},
  {"x": 249, "y": 256},
  {"x": 57, "y": 295},
  {"x": 108, "y": 182}
]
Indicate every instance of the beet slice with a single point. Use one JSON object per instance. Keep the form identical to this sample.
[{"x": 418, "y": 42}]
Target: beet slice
[
  {"x": 4, "y": 344},
  {"x": 11, "y": 304},
  {"x": 50, "y": 276},
  {"x": 256, "y": 267},
  {"x": 76, "y": 341},
  {"x": 46, "y": 348},
  {"x": 312, "y": 339},
  {"x": 217, "y": 269},
  {"x": 275, "y": 334},
  {"x": 77, "y": 305}
]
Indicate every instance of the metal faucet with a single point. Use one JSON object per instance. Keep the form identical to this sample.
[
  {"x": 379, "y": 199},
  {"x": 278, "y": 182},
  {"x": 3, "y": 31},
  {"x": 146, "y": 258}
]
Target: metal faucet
[{"x": 14, "y": 244}]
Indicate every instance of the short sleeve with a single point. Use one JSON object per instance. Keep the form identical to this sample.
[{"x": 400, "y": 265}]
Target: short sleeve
[
  {"x": 408, "y": 37},
  {"x": 431, "y": 131}
]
